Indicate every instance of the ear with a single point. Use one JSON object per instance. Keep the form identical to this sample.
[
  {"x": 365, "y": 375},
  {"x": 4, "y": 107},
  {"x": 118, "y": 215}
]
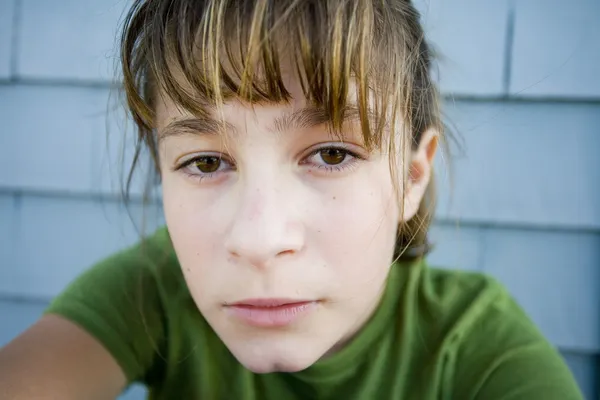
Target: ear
[{"x": 419, "y": 173}]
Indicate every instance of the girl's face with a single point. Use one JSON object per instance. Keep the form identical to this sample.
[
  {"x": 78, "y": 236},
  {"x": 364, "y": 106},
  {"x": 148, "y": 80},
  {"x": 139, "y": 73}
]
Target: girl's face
[{"x": 284, "y": 233}]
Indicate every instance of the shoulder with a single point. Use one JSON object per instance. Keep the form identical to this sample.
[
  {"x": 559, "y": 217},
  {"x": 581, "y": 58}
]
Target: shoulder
[
  {"x": 461, "y": 298},
  {"x": 123, "y": 302},
  {"x": 492, "y": 347},
  {"x": 150, "y": 254},
  {"x": 473, "y": 305},
  {"x": 150, "y": 266}
]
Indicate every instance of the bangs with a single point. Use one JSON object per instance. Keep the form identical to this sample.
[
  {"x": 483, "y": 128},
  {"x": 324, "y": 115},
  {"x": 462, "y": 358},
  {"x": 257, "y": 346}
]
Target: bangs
[{"x": 204, "y": 53}]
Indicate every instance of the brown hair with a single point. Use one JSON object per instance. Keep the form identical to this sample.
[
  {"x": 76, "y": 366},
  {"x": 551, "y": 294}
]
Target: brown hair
[{"x": 203, "y": 52}]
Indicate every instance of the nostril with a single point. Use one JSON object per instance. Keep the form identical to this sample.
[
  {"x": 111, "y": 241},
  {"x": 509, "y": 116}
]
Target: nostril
[{"x": 286, "y": 253}]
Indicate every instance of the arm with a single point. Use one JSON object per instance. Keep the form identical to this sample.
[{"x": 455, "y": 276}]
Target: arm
[
  {"x": 55, "y": 359},
  {"x": 101, "y": 333}
]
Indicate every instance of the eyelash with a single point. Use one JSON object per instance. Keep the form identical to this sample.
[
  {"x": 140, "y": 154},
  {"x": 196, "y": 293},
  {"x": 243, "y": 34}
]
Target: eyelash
[
  {"x": 202, "y": 176},
  {"x": 329, "y": 168},
  {"x": 336, "y": 167}
]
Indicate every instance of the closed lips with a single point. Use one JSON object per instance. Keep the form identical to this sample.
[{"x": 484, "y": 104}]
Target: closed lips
[{"x": 268, "y": 313}]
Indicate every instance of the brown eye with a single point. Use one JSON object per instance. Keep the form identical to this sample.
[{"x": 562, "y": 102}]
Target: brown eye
[
  {"x": 207, "y": 164},
  {"x": 333, "y": 156}
]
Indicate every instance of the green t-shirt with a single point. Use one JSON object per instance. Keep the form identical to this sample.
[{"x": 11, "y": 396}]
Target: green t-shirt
[{"x": 436, "y": 335}]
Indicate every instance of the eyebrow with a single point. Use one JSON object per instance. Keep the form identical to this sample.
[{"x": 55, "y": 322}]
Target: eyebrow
[
  {"x": 194, "y": 126},
  {"x": 303, "y": 118}
]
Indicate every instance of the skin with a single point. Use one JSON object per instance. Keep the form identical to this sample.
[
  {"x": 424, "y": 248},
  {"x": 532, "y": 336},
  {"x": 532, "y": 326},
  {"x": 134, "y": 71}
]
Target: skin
[{"x": 278, "y": 220}]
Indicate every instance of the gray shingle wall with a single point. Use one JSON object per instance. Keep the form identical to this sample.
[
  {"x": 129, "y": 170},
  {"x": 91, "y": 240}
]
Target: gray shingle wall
[
  {"x": 520, "y": 84},
  {"x": 556, "y": 51},
  {"x": 7, "y": 18}
]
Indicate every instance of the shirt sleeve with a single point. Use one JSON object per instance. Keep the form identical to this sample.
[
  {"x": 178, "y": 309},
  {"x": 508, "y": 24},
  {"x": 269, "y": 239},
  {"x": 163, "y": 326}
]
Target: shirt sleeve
[
  {"x": 117, "y": 301},
  {"x": 505, "y": 357}
]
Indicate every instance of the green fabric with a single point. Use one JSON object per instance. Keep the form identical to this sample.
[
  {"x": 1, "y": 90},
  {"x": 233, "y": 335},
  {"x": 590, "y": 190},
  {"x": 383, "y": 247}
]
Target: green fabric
[{"x": 436, "y": 335}]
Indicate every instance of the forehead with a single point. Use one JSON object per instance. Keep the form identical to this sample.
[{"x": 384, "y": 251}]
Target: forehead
[
  {"x": 296, "y": 111},
  {"x": 166, "y": 109},
  {"x": 270, "y": 119}
]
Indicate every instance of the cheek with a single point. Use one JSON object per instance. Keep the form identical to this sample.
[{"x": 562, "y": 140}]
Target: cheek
[
  {"x": 355, "y": 229},
  {"x": 195, "y": 221}
]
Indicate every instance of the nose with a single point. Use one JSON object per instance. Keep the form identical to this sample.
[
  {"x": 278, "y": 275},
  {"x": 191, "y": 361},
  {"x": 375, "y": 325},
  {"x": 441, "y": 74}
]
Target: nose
[{"x": 265, "y": 227}]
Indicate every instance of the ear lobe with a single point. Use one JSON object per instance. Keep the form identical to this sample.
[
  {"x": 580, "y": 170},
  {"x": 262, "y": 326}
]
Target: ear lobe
[{"x": 419, "y": 173}]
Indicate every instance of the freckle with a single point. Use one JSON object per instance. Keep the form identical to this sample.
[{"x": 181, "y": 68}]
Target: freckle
[{"x": 334, "y": 197}]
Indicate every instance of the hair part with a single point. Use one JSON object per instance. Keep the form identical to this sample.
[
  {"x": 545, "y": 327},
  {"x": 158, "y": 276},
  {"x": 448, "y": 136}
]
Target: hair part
[{"x": 204, "y": 53}]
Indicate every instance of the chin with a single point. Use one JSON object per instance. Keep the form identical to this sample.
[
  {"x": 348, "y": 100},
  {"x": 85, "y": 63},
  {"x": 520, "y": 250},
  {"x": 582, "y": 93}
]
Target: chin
[
  {"x": 268, "y": 366},
  {"x": 269, "y": 358}
]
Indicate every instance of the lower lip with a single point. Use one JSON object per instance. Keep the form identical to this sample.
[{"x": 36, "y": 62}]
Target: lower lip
[{"x": 271, "y": 317}]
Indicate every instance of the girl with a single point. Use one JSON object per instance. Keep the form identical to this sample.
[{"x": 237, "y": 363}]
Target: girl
[{"x": 294, "y": 141}]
